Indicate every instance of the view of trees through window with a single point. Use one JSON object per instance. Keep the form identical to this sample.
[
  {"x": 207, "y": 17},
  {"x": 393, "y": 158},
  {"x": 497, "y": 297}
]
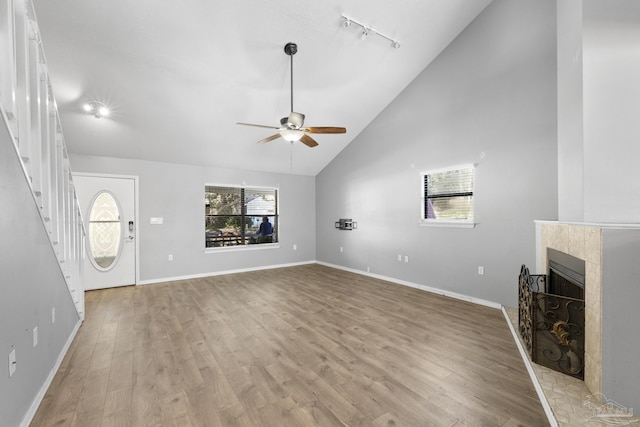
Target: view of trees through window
[
  {"x": 240, "y": 216},
  {"x": 448, "y": 194}
]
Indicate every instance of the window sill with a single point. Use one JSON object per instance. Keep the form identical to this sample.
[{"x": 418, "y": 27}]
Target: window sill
[
  {"x": 450, "y": 224},
  {"x": 242, "y": 248}
]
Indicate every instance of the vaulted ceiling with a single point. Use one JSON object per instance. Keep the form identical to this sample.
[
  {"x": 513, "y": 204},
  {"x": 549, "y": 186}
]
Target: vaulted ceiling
[{"x": 177, "y": 76}]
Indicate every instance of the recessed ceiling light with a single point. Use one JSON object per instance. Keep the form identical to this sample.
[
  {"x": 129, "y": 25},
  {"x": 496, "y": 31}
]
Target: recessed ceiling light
[{"x": 96, "y": 108}]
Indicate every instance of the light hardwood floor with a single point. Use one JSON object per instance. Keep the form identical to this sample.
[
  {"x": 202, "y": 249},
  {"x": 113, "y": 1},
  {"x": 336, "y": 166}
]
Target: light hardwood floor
[{"x": 300, "y": 346}]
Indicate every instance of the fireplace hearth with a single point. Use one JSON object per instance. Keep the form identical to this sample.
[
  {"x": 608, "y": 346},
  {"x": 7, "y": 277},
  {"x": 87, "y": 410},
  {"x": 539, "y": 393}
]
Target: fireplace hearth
[{"x": 551, "y": 314}]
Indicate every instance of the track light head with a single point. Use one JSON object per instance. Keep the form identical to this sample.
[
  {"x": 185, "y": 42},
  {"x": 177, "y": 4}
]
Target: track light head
[{"x": 365, "y": 30}]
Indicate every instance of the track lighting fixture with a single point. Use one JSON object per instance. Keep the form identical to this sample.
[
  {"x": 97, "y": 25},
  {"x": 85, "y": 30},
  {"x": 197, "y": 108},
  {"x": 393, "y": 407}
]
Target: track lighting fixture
[
  {"x": 96, "y": 108},
  {"x": 365, "y": 30}
]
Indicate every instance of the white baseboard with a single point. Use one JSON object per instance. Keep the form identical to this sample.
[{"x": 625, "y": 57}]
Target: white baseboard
[
  {"x": 220, "y": 273},
  {"x": 418, "y": 286},
  {"x": 339, "y": 267},
  {"x": 43, "y": 390},
  {"x": 534, "y": 378}
]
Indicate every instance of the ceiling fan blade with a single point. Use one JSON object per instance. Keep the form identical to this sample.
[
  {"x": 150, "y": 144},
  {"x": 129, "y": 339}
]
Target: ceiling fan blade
[
  {"x": 325, "y": 129},
  {"x": 257, "y": 126},
  {"x": 270, "y": 138},
  {"x": 308, "y": 141}
]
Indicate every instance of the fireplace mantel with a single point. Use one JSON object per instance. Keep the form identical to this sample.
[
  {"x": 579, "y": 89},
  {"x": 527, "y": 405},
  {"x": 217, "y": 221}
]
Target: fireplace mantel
[{"x": 612, "y": 292}]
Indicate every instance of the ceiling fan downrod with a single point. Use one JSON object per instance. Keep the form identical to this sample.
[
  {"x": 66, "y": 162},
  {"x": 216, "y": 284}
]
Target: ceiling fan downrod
[{"x": 291, "y": 49}]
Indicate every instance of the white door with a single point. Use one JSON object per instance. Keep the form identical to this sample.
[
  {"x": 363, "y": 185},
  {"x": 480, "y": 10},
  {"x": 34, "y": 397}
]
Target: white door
[{"x": 108, "y": 209}]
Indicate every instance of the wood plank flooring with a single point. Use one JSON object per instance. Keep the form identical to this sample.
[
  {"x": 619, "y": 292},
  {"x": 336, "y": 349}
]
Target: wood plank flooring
[{"x": 300, "y": 346}]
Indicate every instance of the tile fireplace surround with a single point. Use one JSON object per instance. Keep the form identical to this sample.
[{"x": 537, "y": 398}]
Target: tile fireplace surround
[
  {"x": 584, "y": 242},
  {"x": 612, "y": 293}
]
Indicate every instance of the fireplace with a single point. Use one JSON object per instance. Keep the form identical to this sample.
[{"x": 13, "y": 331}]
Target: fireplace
[
  {"x": 552, "y": 312},
  {"x": 566, "y": 275}
]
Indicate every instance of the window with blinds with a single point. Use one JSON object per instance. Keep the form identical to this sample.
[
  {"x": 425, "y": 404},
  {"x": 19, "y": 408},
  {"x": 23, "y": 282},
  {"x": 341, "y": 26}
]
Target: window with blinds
[
  {"x": 237, "y": 216},
  {"x": 448, "y": 195}
]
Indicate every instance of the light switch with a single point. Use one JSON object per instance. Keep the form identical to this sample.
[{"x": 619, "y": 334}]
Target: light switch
[{"x": 12, "y": 362}]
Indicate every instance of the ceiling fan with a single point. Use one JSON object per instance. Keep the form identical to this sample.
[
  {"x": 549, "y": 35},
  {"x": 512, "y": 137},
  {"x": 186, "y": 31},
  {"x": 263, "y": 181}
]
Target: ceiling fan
[{"x": 291, "y": 127}]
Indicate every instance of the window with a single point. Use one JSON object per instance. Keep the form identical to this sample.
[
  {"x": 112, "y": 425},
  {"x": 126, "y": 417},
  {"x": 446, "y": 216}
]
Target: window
[
  {"x": 105, "y": 231},
  {"x": 448, "y": 196},
  {"x": 238, "y": 216}
]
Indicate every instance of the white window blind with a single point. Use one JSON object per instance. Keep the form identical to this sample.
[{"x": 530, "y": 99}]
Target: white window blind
[{"x": 448, "y": 194}]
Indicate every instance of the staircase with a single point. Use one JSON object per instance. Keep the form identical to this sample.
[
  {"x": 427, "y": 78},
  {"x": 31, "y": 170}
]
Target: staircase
[{"x": 28, "y": 108}]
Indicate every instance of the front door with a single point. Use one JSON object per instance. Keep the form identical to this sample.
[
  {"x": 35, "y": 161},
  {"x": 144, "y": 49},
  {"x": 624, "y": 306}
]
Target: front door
[{"x": 108, "y": 209}]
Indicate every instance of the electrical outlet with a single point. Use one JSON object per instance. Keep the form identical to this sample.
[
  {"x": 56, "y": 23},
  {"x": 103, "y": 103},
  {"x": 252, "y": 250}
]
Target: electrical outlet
[
  {"x": 170, "y": 257},
  {"x": 35, "y": 336},
  {"x": 399, "y": 257},
  {"x": 481, "y": 270},
  {"x": 341, "y": 249},
  {"x": 295, "y": 247},
  {"x": 12, "y": 362},
  {"x": 406, "y": 258},
  {"x": 368, "y": 269},
  {"x": 53, "y": 315}
]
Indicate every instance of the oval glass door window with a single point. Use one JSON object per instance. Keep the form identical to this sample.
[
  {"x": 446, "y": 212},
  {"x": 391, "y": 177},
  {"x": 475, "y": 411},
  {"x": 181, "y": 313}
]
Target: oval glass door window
[{"x": 105, "y": 231}]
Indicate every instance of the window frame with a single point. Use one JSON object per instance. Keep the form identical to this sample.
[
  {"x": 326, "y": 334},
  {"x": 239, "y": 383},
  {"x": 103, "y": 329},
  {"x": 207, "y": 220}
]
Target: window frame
[
  {"x": 245, "y": 246},
  {"x": 446, "y": 222}
]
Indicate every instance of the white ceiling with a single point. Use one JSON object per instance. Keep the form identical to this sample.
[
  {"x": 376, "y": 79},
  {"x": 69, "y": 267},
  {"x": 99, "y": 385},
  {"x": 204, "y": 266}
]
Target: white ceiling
[{"x": 179, "y": 75}]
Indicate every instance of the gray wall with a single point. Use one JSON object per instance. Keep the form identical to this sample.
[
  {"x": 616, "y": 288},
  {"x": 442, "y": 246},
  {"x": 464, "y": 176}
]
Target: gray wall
[
  {"x": 31, "y": 285},
  {"x": 620, "y": 316},
  {"x": 570, "y": 112},
  {"x": 176, "y": 193},
  {"x": 611, "y": 105},
  {"x": 489, "y": 98}
]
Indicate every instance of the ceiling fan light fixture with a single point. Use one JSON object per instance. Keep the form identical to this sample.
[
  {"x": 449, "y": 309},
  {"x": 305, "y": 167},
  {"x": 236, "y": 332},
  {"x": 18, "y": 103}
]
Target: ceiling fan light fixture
[{"x": 291, "y": 135}]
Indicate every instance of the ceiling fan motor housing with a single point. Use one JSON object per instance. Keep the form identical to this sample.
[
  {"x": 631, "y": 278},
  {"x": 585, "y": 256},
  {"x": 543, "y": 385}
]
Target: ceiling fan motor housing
[{"x": 295, "y": 120}]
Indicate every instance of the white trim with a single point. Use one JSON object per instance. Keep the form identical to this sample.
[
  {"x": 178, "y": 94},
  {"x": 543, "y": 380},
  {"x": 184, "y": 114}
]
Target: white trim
[
  {"x": 241, "y": 248},
  {"x": 449, "y": 294},
  {"x": 243, "y": 185},
  {"x": 455, "y": 295},
  {"x": 534, "y": 379},
  {"x": 26, "y": 421},
  {"x": 445, "y": 223},
  {"x": 220, "y": 273},
  {"x": 604, "y": 225},
  {"x": 448, "y": 168}
]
